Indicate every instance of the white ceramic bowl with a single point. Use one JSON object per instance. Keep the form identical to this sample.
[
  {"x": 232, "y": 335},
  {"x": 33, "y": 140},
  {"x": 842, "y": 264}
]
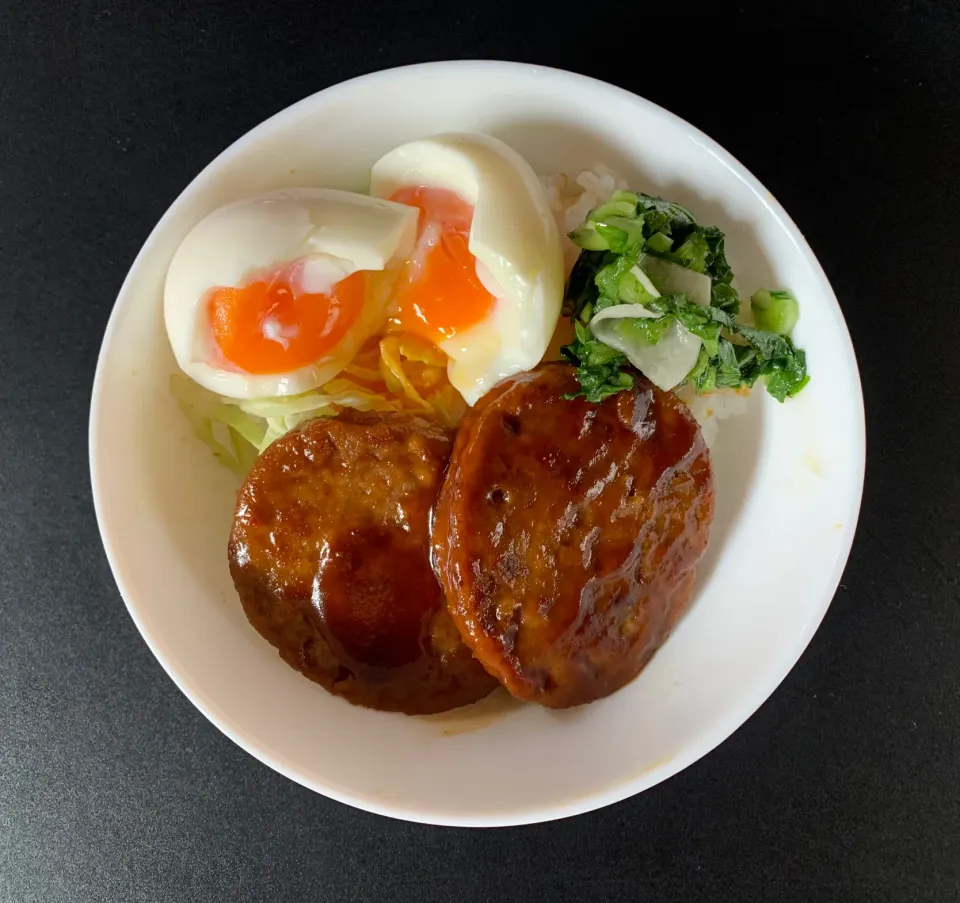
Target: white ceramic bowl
[{"x": 789, "y": 478}]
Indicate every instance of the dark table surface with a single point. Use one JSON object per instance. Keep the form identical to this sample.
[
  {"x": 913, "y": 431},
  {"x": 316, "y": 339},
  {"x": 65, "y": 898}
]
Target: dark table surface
[{"x": 844, "y": 786}]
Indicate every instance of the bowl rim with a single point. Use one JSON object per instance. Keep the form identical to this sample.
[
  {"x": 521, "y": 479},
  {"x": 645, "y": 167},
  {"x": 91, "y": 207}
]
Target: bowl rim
[{"x": 708, "y": 741}]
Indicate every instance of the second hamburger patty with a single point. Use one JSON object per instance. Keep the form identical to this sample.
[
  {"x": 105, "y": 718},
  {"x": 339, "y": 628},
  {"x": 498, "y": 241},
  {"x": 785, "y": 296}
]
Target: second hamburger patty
[{"x": 567, "y": 533}]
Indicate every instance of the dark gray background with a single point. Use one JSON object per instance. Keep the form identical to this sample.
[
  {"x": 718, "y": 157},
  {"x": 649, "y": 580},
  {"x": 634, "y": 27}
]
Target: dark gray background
[{"x": 844, "y": 786}]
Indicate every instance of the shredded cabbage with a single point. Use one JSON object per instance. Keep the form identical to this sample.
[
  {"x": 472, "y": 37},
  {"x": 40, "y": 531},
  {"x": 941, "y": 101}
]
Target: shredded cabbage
[{"x": 398, "y": 372}]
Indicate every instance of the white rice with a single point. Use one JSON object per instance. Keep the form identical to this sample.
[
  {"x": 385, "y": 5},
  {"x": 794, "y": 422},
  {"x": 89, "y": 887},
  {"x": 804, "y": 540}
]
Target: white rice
[
  {"x": 571, "y": 199},
  {"x": 712, "y": 407}
]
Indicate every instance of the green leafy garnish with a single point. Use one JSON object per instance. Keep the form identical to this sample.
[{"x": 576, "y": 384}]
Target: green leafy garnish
[
  {"x": 599, "y": 366},
  {"x": 616, "y": 237},
  {"x": 630, "y": 223}
]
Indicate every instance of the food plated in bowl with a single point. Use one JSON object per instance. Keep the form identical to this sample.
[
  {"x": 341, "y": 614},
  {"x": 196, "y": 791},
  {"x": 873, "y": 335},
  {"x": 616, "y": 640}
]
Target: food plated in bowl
[
  {"x": 560, "y": 535},
  {"x": 638, "y": 534}
]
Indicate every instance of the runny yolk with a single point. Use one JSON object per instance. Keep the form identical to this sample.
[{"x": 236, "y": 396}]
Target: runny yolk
[
  {"x": 439, "y": 293},
  {"x": 269, "y": 326}
]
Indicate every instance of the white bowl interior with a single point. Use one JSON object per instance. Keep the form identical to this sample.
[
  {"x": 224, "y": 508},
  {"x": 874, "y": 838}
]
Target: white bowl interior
[{"x": 788, "y": 479}]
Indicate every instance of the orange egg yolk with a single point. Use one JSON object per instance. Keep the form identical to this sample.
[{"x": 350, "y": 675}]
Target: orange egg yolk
[
  {"x": 439, "y": 293},
  {"x": 270, "y": 326}
]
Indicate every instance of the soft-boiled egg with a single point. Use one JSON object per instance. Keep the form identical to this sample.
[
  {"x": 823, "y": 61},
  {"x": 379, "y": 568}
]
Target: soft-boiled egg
[
  {"x": 275, "y": 294},
  {"x": 485, "y": 279}
]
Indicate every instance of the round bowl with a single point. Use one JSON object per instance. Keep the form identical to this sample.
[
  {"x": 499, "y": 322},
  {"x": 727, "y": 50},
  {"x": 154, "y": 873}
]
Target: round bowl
[{"x": 789, "y": 478}]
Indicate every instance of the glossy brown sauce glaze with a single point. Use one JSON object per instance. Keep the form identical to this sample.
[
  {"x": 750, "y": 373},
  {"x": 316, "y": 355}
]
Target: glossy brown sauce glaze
[
  {"x": 329, "y": 552},
  {"x": 566, "y": 533}
]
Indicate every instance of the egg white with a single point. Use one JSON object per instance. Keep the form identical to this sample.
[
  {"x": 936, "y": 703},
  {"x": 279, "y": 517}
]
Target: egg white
[
  {"x": 336, "y": 233},
  {"x": 514, "y": 238}
]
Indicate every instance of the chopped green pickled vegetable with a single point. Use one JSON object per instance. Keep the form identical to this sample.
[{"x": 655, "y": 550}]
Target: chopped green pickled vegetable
[
  {"x": 635, "y": 246},
  {"x": 775, "y": 311}
]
